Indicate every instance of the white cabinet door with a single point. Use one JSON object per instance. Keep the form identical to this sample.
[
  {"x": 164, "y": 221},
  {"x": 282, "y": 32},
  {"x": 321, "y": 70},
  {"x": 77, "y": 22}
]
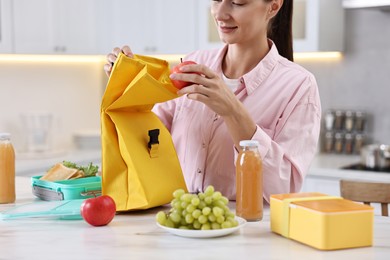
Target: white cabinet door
[
  {"x": 318, "y": 25},
  {"x": 5, "y": 26},
  {"x": 154, "y": 26},
  {"x": 176, "y": 30},
  {"x": 33, "y": 25},
  {"x": 75, "y": 26},
  {"x": 208, "y": 37},
  {"x": 55, "y": 27}
]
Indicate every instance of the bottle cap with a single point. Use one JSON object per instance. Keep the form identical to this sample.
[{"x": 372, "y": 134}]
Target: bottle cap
[
  {"x": 250, "y": 143},
  {"x": 4, "y": 136}
]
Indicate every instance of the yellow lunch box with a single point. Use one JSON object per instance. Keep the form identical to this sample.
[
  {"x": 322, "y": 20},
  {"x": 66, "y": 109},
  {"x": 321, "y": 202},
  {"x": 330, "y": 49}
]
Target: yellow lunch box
[{"x": 321, "y": 221}]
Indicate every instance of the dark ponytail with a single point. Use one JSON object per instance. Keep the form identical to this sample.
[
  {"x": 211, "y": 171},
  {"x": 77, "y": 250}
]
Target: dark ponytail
[{"x": 280, "y": 30}]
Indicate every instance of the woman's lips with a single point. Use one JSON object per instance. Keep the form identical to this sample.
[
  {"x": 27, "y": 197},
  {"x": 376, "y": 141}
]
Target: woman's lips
[{"x": 227, "y": 29}]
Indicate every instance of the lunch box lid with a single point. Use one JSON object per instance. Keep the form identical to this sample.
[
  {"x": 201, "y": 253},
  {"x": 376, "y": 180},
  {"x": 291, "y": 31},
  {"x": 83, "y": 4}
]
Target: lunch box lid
[{"x": 69, "y": 209}]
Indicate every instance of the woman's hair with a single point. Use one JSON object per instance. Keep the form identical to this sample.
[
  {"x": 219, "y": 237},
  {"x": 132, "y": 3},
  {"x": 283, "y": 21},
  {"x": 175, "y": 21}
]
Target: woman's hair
[{"x": 280, "y": 30}]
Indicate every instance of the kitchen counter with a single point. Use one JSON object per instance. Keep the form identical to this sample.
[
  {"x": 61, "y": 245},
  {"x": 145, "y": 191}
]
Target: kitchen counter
[
  {"x": 329, "y": 166},
  {"x": 136, "y": 236}
]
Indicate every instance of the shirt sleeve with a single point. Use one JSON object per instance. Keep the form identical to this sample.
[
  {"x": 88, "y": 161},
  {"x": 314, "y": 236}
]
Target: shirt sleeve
[
  {"x": 165, "y": 112},
  {"x": 288, "y": 153}
]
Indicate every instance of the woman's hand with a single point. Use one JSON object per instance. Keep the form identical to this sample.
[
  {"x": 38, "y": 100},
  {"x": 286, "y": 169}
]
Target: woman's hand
[
  {"x": 211, "y": 90},
  {"x": 111, "y": 57},
  {"x": 208, "y": 88}
]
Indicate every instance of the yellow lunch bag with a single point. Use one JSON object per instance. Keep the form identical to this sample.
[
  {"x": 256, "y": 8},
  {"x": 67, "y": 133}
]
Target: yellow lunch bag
[{"x": 140, "y": 168}]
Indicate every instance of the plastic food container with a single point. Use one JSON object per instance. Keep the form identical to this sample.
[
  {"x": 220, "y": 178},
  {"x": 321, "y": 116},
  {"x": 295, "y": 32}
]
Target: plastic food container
[
  {"x": 321, "y": 221},
  {"x": 81, "y": 188}
]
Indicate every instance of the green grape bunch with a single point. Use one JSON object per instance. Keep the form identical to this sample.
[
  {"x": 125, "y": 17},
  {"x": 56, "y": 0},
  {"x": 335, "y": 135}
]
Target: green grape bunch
[{"x": 203, "y": 211}]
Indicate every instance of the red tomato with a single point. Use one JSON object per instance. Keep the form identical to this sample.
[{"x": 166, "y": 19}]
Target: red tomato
[
  {"x": 176, "y": 69},
  {"x": 98, "y": 211}
]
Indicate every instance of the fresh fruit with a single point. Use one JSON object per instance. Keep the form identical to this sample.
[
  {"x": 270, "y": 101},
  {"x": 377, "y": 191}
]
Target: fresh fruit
[
  {"x": 179, "y": 84},
  {"x": 202, "y": 211},
  {"x": 98, "y": 211}
]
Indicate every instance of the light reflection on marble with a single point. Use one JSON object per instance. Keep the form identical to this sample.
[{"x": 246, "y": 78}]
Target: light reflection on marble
[{"x": 136, "y": 236}]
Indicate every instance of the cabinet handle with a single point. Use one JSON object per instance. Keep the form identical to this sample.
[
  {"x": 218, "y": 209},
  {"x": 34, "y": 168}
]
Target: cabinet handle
[{"x": 150, "y": 49}]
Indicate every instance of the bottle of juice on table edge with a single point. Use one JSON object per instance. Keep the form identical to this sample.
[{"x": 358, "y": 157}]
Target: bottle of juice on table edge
[
  {"x": 249, "y": 182},
  {"x": 7, "y": 169}
]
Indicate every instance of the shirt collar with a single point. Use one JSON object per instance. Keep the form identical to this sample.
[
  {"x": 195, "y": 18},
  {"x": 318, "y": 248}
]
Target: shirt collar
[
  {"x": 258, "y": 74},
  {"x": 263, "y": 69}
]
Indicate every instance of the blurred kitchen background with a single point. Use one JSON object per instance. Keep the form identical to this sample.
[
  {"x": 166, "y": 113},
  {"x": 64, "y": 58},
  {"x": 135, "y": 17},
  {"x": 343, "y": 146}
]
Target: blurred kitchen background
[{"x": 52, "y": 56}]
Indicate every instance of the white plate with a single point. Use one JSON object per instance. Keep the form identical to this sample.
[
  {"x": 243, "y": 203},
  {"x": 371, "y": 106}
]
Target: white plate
[{"x": 204, "y": 233}]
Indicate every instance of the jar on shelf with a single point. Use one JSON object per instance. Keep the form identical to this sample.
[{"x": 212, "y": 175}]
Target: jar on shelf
[
  {"x": 329, "y": 120},
  {"x": 339, "y": 120},
  {"x": 359, "y": 142},
  {"x": 328, "y": 142},
  {"x": 360, "y": 121},
  {"x": 339, "y": 142},
  {"x": 348, "y": 143},
  {"x": 349, "y": 120}
]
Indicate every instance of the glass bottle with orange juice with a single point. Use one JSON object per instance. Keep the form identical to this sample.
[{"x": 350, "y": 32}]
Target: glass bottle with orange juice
[
  {"x": 249, "y": 182},
  {"x": 7, "y": 169}
]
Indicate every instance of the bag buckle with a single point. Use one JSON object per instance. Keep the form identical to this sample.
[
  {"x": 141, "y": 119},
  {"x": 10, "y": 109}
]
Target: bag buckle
[{"x": 153, "y": 142}]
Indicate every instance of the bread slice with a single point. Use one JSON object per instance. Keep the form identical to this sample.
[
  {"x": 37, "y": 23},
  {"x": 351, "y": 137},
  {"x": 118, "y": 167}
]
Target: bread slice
[
  {"x": 60, "y": 172},
  {"x": 78, "y": 174}
]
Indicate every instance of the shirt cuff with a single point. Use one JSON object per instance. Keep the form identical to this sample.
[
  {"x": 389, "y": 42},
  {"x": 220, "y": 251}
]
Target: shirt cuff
[{"x": 264, "y": 143}]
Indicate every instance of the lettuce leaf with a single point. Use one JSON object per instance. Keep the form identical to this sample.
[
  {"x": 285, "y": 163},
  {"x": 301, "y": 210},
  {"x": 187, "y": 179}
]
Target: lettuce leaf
[{"x": 89, "y": 170}]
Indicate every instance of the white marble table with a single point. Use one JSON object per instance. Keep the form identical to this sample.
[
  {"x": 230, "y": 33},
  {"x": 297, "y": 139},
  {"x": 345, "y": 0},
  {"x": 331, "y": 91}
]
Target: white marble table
[{"x": 136, "y": 236}]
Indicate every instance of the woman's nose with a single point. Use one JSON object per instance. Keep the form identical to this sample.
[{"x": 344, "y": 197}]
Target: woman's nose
[{"x": 220, "y": 10}]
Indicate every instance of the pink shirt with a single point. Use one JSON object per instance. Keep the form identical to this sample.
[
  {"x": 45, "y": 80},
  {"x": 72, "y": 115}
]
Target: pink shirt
[{"x": 283, "y": 100}]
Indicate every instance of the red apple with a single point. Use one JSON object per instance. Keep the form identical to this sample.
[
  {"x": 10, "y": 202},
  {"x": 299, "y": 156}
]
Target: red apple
[
  {"x": 176, "y": 69},
  {"x": 98, "y": 211}
]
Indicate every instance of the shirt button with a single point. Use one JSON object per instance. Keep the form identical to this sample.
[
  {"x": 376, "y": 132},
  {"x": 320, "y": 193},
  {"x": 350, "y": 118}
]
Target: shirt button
[
  {"x": 203, "y": 145},
  {"x": 199, "y": 171},
  {"x": 241, "y": 80}
]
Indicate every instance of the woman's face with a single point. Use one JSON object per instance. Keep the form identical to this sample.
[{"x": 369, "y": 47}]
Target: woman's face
[{"x": 241, "y": 21}]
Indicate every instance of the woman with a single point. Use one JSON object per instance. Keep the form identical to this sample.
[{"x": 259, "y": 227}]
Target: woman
[{"x": 246, "y": 90}]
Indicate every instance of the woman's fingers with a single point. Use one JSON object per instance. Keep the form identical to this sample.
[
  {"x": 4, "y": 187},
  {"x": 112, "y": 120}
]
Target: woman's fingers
[
  {"x": 200, "y": 69},
  {"x": 195, "y": 88},
  {"x": 127, "y": 51},
  {"x": 116, "y": 51},
  {"x": 111, "y": 57},
  {"x": 191, "y": 77},
  {"x": 107, "y": 69}
]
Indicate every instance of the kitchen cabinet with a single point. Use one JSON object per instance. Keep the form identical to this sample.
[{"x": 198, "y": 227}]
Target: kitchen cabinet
[
  {"x": 5, "y": 26},
  {"x": 381, "y": 4},
  {"x": 55, "y": 27},
  {"x": 154, "y": 26},
  {"x": 208, "y": 37},
  {"x": 96, "y": 26},
  {"x": 318, "y": 25},
  {"x": 325, "y": 185}
]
